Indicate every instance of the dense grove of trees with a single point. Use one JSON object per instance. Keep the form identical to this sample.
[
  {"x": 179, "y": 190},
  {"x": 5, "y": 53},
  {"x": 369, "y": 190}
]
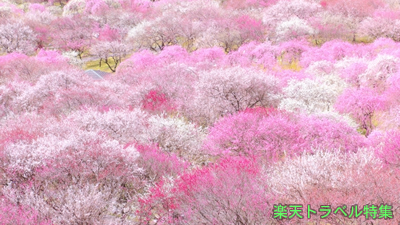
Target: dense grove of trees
[{"x": 215, "y": 112}]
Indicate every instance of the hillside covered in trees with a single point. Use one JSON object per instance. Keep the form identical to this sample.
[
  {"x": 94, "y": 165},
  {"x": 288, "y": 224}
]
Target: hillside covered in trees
[{"x": 242, "y": 112}]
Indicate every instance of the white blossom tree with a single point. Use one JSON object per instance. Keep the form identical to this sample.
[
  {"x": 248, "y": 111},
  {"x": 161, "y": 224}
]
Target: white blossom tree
[
  {"x": 312, "y": 95},
  {"x": 173, "y": 134},
  {"x": 17, "y": 37},
  {"x": 292, "y": 29},
  {"x": 111, "y": 53},
  {"x": 224, "y": 91}
]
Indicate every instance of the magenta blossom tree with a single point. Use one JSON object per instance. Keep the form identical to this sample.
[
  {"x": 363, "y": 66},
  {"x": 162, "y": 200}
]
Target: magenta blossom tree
[{"x": 231, "y": 191}]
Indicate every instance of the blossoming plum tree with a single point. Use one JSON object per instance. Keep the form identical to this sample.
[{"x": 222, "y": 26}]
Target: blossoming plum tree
[
  {"x": 45, "y": 174},
  {"x": 336, "y": 179},
  {"x": 217, "y": 110},
  {"x": 72, "y": 34},
  {"x": 361, "y": 104},
  {"x": 111, "y": 53},
  {"x": 17, "y": 37},
  {"x": 277, "y": 136},
  {"x": 225, "y": 91},
  {"x": 312, "y": 95},
  {"x": 231, "y": 191}
]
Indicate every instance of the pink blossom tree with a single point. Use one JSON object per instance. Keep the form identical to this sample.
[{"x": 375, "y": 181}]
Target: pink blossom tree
[
  {"x": 262, "y": 54},
  {"x": 207, "y": 58},
  {"x": 162, "y": 82},
  {"x": 331, "y": 51},
  {"x": 158, "y": 165},
  {"x": 74, "y": 34},
  {"x": 225, "y": 91},
  {"x": 390, "y": 117},
  {"x": 12, "y": 213},
  {"x": 39, "y": 19},
  {"x": 292, "y": 51},
  {"x": 137, "y": 6},
  {"x": 353, "y": 13},
  {"x": 351, "y": 74},
  {"x": 386, "y": 145},
  {"x": 361, "y": 104},
  {"x": 378, "y": 72},
  {"x": 19, "y": 67},
  {"x": 109, "y": 34},
  {"x": 156, "y": 101},
  {"x": 231, "y": 191},
  {"x": 277, "y": 136},
  {"x": 248, "y": 4}
]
